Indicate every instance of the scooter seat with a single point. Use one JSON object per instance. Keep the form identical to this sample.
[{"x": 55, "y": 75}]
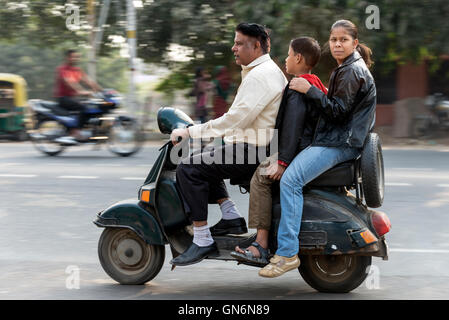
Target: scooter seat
[
  {"x": 339, "y": 176},
  {"x": 55, "y": 108},
  {"x": 243, "y": 181}
]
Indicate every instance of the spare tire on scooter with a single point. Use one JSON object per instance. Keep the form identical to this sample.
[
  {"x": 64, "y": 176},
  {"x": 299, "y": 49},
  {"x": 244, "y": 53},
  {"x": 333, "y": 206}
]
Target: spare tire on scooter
[{"x": 372, "y": 170}]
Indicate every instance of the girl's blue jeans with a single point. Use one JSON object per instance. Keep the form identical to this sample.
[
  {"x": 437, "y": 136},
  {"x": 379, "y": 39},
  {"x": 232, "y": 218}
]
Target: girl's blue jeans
[{"x": 306, "y": 166}]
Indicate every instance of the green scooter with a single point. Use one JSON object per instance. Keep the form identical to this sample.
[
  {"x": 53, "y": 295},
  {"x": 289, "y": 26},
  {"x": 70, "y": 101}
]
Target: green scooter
[{"x": 339, "y": 233}]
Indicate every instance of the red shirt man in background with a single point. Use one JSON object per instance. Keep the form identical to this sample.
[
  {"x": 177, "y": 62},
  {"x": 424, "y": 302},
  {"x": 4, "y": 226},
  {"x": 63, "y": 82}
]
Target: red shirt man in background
[{"x": 68, "y": 88}]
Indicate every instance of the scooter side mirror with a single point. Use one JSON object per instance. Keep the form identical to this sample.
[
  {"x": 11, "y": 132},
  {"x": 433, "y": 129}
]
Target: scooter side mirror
[{"x": 169, "y": 119}]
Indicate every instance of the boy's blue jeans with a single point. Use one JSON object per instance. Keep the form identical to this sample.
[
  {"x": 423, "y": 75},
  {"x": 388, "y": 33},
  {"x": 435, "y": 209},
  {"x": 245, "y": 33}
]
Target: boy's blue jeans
[{"x": 306, "y": 166}]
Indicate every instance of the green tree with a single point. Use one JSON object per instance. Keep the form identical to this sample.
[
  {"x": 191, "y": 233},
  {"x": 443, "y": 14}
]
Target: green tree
[{"x": 410, "y": 30}]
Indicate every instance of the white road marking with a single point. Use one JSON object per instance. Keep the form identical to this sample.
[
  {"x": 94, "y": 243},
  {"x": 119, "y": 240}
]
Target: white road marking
[
  {"x": 132, "y": 178},
  {"x": 398, "y": 184},
  {"x": 18, "y": 175},
  {"x": 418, "y": 250},
  {"x": 12, "y": 164},
  {"x": 443, "y": 185},
  {"x": 411, "y": 169},
  {"x": 77, "y": 177},
  {"x": 109, "y": 165}
]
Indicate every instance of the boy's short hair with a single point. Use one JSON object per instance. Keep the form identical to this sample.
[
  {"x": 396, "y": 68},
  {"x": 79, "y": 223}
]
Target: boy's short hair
[
  {"x": 69, "y": 52},
  {"x": 257, "y": 31},
  {"x": 309, "y": 48}
]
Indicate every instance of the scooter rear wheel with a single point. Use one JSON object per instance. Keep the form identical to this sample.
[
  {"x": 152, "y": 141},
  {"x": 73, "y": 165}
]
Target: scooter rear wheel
[
  {"x": 334, "y": 274},
  {"x": 127, "y": 258}
]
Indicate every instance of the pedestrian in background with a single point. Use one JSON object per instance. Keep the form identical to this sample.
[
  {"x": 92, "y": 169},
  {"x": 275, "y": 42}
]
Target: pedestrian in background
[
  {"x": 201, "y": 87},
  {"x": 222, "y": 83}
]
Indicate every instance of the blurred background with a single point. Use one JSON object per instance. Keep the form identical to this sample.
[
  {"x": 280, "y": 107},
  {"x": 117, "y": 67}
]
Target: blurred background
[
  {"x": 155, "y": 52},
  {"x": 176, "y": 39}
]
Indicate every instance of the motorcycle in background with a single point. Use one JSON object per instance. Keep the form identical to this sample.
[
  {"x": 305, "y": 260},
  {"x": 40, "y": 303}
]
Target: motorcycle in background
[
  {"x": 121, "y": 133},
  {"x": 437, "y": 119}
]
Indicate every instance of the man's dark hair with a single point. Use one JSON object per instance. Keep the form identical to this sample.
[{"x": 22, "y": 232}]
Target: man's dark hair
[
  {"x": 67, "y": 53},
  {"x": 309, "y": 48},
  {"x": 257, "y": 31}
]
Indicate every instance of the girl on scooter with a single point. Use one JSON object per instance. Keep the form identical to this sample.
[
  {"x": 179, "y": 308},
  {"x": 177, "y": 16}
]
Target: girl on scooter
[{"x": 347, "y": 115}]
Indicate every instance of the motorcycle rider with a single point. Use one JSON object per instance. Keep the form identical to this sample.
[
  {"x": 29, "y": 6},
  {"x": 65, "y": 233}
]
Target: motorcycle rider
[
  {"x": 254, "y": 108},
  {"x": 68, "y": 87}
]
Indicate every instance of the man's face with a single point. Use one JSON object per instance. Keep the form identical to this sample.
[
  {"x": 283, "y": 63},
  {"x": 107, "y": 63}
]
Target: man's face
[
  {"x": 73, "y": 58},
  {"x": 245, "y": 49}
]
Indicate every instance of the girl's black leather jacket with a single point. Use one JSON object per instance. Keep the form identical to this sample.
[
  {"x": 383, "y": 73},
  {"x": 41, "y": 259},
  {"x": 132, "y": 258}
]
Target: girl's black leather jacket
[{"x": 348, "y": 111}]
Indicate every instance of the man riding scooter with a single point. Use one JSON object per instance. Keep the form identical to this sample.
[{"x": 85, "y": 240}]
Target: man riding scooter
[
  {"x": 255, "y": 108},
  {"x": 68, "y": 87}
]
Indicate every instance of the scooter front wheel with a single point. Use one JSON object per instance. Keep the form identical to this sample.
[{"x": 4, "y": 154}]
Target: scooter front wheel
[
  {"x": 127, "y": 258},
  {"x": 334, "y": 273},
  {"x": 44, "y": 134},
  {"x": 125, "y": 138}
]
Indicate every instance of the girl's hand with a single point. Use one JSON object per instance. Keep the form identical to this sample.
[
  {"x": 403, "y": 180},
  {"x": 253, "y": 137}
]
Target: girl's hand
[{"x": 300, "y": 85}]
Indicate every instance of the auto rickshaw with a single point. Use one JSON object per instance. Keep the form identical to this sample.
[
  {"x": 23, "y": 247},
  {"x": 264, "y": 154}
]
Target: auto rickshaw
[{"x": 13, "y": 107}]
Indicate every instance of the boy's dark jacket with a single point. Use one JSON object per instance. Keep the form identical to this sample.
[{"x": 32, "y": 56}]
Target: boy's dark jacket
[{"x": 295, "y": 122}]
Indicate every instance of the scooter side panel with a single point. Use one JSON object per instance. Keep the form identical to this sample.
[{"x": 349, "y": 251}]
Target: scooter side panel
[
  {"x": 169, "y": 204},
  {"x": 328, "y": 218},
  {"x": 128, "y": 214},
  {"x": 155, "y": 170}
]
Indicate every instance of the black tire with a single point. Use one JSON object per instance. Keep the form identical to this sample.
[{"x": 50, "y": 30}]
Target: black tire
[
  {"x": 420, "y": 127},
  {"x": 372, "y": 169},
  {"x": 125, "y": 138},
  {"x": 334, "y": 273},
  {"x": 21, "y": 136},
  {"x": 45, "y": 144},
  {"x": 127, "y": 258}
]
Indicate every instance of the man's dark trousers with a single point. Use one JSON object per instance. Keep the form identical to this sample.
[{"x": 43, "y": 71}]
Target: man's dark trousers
[
  {"x": 201, "y": 182},
  {"x": 71, "y": 104}
]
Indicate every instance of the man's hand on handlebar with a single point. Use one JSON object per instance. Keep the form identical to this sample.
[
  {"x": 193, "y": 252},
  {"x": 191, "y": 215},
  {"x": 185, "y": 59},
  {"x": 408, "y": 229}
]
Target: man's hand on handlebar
[{"x": 179, "y": 133}]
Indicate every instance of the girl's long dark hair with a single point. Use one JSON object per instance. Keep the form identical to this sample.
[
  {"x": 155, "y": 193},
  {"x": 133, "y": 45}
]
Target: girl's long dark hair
[{"x": 351, "y": 29}]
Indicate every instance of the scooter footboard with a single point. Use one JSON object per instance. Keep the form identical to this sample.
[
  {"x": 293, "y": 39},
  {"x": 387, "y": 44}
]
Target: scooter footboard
[{"x": 129, "y": 214}]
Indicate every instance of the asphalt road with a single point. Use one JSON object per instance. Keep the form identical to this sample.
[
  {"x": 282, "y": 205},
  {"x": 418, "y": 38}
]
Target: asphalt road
[{"x": 47, "y": 205}]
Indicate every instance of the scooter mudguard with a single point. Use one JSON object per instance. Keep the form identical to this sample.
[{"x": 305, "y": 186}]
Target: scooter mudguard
[
  {"x": 129, "y": 214},
  {"x": 333, "y": 223}
]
